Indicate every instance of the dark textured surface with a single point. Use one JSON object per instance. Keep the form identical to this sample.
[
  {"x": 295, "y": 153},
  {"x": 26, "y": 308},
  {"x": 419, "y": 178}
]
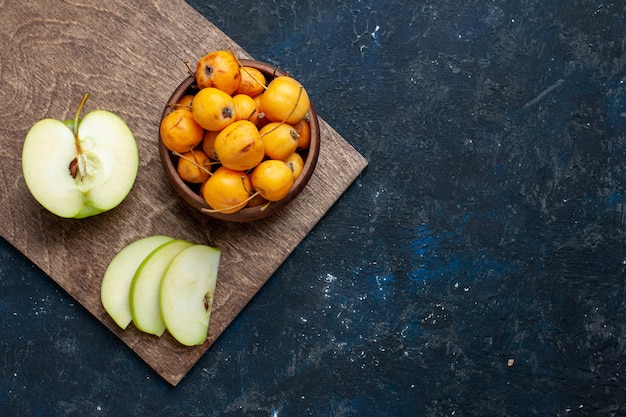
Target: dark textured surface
[{"x": 488, "y": 227}]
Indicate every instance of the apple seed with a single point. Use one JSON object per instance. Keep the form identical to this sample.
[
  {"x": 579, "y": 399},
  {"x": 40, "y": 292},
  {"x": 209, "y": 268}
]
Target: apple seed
[{"x": 74, "y": 168}]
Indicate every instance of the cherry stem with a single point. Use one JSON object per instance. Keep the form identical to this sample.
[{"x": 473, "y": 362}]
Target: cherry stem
[
  {"x": 193, "y": 162},
  {"x": 190, "y": 70},
  {"x": 241, "y": 205},
  {"x": 252, "y": 114},
  {"x": 179, "y": 106},
  {"x": 295, "y": 106},
  {"x": 245, "y": 69}
]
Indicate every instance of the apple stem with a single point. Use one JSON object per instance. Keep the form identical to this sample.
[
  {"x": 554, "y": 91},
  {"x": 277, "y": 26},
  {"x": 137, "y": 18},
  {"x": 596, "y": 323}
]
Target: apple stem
[{"x": 81, "y": 159}]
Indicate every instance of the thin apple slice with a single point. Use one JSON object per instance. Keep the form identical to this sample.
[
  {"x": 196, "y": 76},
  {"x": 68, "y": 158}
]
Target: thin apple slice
[
  {"x": 118, "y": 276},
  {"x": 187, "y": 291},
  {"x": 144, "y": 289}
]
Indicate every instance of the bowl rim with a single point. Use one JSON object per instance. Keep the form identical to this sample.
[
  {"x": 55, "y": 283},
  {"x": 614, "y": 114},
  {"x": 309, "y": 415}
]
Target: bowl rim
[{"x": 247, "y": 213}]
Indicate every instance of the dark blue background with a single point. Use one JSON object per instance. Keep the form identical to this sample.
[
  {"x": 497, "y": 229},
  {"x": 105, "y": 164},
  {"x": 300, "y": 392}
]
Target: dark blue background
[{"x": 489, "y": 226}]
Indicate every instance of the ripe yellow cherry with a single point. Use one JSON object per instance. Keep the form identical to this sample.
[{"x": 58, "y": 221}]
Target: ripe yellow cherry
[
  {"x": 213, "y": 109},
  {"x": 245, "y": 108},
  {"x": 218, "y": 69},
  {"x": 227, "y": 190},
  {"x": 208, "y": 144},
  {"x": 272, "y": 179},
  {"x": 194, "y": 166},
  {"x": 296, "y": 164},
  {"x": 256, "y": 200},
  {"x": 179, "y": 131},
  {"x": 257, "y": 99},
  {"x": 303, "y": 127},
  {"x": 238, "y": 146},
  {"x": 252, "y": 81},
  {"x": 279, "y": 140},
  {"x": 261, "y": 119},
  {"x": 285, "y": 100},
  {"x": 184, "y": 101}
]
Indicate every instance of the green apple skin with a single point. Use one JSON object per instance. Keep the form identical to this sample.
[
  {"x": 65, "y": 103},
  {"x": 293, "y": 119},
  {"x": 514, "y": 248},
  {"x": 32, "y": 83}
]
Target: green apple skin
[
  {"x": 112, "y": 164},
  {"x": 145, "y": 287},
  {"x": 115, "y": 286},
  {"x": 187, "y": 292}
]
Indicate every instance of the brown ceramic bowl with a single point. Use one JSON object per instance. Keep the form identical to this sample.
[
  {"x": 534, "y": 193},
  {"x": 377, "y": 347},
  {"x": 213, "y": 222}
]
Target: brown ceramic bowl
[{"x": 189, "y": 192}]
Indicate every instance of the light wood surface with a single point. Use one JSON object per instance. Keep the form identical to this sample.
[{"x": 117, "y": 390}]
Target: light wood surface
[{"x": 130, "y": 57}]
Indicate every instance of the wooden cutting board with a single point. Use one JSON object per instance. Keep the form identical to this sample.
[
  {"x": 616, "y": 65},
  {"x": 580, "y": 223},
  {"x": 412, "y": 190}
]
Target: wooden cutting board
[{"x": 130, "y": 57}]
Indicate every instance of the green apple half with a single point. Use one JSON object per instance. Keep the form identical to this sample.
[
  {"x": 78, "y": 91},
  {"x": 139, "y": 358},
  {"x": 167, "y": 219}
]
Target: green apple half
[
  {"x": 144, "y": 289},
  {"x": 119, "y": 275},
  {"x": 80, "y": 168},
  {"x": 186, "y": 295}
]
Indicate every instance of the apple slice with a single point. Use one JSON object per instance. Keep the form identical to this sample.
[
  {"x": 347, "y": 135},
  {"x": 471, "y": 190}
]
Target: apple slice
[
  {"x": 187, "y": 291},
  {"x": 115, "y": 287},
  {"x": 144, "y": 289},
  {"x": 80, "y": 168}
]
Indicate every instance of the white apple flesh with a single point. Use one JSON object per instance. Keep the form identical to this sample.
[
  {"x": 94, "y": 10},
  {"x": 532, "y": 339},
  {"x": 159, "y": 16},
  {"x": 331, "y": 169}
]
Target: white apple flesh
[
  {"x": 104, "y": 152},
  {"x": 115, "y": 287},
  {"x": 145, "y": 286},
  {"x": 186, "y": 295}
]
